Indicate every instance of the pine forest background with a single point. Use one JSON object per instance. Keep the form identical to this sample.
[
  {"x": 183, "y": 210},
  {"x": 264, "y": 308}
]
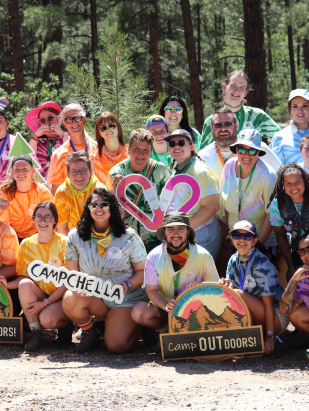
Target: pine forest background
[{"x": 45, "y": 45}]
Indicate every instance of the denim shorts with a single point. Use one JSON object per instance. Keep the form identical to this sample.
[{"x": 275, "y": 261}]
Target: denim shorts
[
  {"x": 209, "y": 237},
  {"x": 131, "y": 298}
]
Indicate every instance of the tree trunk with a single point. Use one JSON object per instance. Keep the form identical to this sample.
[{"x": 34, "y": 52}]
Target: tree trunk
[
  {"x": 255, "y": 60},
  {"x": 94, "y": 40},
  {"x": 269, "y": 45},
  {"x": 193, "y": 66},
  {"x": 306, "y": 53},
  {"x": 199, "y": 40},
  {"x": 291, "y": 51},
  {"x": 16, "y": 57},
  {"x": 155, "y": 74}
]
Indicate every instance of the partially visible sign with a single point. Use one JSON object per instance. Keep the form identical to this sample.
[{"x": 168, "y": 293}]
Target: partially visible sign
[
  {"x": 6, "y": 305},
  {"x": 11, "y": 330}
]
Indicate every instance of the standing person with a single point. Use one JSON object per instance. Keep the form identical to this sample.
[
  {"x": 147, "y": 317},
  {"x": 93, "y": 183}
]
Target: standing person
[
  {"x": 6, "y": 140},
  {"x": 304, "y": 152},
  {"x": 139, "y": 162},
  {"x": 247, "y": 184},
  {"x": 159, "y": 128},
  {"x": 111, "y": 146},
  {"x": 203, "y": 215},
  {"x": 255, "y": 279},
  {"x": 23, "y": 193},
  {"x": 175, "y": 111},
  {"x": 286, "y": 142},
  {"x": 44, "y": 122},
  {"x": 103, "y": 247},
  {"x": 40, "y": 301},
  {"x": 235, "y": 88},
  {"x": 73, "y": 117},
  {"x": 71, "y": 196}
]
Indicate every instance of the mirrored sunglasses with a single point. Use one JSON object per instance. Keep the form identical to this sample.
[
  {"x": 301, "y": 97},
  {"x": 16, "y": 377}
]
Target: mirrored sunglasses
[
  {"x": 242, "y": 150},
  {"x": 103, "y": 204},
  {"x": 70, "y": 120},
  {"x": 246, "y": 236},
  {"x": 111, "y": 127},
  {"x": 49, "y": 119},
  {"x": 179, "y": 143},
  {"x": 169, "y": 110},
  {"x": 47, "y": 218}
]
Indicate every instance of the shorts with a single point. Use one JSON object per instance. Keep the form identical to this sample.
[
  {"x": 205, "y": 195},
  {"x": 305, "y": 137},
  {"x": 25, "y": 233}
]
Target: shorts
[
  {"x": 284, "y": 320},
  {"x": 130, "y": 299},
  {"x": 163, "y": 313}
]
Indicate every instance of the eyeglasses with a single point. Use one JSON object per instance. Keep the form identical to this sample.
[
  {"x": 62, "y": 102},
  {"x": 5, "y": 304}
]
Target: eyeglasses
[
  {"x": 70, "y": 120},
  {"x": 111, "y": 127},
  {"x": 237, "y": 235},
  {"x": 82, "y": 172},
  {"x": 169, "y": 110},
  {"x": 223, "y": 124},
  {"x": 179, "y": 143},
  {"x": 49, "y": 119},
  {"x": 242, "y": 150},
  {"x": 173, "y": 230},
  {"x": 47, "y": 218},
  {"x": 302, "y": 251},
  {"x": 103, "y": 204}
]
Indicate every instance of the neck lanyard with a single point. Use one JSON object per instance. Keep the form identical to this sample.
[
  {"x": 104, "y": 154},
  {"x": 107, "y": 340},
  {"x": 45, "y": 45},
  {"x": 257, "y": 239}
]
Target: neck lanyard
[
  {"x": 220, "y": 155},
  {"x": 74, "y": 149},
  {"x": 242, "y": 280},
  {"x": 241, "y": 120},
  {"x": 241, "y": 197},
  {"x": 49, "y": 148},
  {"x": 176, "y": 280},
  {"x": 3, "y": 144}
]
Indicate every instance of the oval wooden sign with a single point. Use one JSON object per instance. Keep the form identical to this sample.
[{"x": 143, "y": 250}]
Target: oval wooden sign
[
  {"x": 6, "y": 304},
  {"x": 208, "y": 306}
]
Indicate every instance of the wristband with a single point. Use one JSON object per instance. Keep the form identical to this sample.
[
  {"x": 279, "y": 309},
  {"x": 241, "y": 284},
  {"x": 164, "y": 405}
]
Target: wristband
[
  {"x": 128, "y": 284},
  {"x": 35, "y": 137},
  {"x": 47, "y": 302},
  {"x": 270, "y": 332}
]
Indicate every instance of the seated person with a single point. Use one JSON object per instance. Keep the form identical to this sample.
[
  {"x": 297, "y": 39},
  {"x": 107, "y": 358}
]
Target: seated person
[
  {"x": 295, "y": 300},
  {"x": 139, "y": 162},
  {"x": 40, "y": 301},
  {"x": 71, "y": 196},
  {"x": 23, "y": 193},
  {"x": 255, "y": 279},
  {"x": 102, "y": 246},
  {"x": 304, "y": 152},
  {"x": 159, "y": 128},
  {"x": 170, "y": 268}
]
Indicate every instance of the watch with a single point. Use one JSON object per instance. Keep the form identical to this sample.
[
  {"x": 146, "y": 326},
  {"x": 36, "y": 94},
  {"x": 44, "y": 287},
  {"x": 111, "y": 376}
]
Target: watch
[{"x": 47, "y": 302}]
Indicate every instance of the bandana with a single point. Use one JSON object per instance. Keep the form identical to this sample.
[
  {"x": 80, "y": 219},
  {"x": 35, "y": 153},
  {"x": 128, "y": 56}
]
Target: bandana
[
  {"x": 103, "y": 240},
  {"x": 246, "y": 256},
  {"x": 179, "y": 259},
  {"x": 184, "y": 167}
]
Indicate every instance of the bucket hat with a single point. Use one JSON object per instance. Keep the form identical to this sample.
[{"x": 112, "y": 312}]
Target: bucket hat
[
  {"x": 171, "y": 219},
  {"x": 251, "y": 138}
]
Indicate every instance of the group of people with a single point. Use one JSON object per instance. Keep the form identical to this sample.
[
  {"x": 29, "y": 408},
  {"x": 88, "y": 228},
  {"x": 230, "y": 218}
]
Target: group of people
[{"x": 250, "y": 223}]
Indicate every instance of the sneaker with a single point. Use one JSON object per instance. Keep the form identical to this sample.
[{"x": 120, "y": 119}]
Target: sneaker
[
  {"x": 301, "y": 341},
  {"x": 35, "y": 342},
  {"x": 149, "y": 336},
  {"x": 100, "y": 327},
  {"x": 65, "y": 334},
  {"x": 78, "y": 334},
  {"x": 90, "y": 341}
]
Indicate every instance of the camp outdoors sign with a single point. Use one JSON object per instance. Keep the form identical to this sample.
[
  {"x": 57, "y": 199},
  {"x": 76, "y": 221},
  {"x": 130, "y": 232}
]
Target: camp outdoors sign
[{"x": 210, "y": 321}]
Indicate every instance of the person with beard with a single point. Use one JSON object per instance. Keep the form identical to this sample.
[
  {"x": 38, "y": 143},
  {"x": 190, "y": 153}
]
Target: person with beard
[{"x": 170, "y": 268}]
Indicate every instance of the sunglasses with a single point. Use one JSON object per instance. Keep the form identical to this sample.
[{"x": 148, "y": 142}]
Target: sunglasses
[
  {"x": 242, "y": 150},
  {"x": 237, "y": 236},
  {"x": 47, "y": 218},
  {"x": 49, "y": 119},
  {"x": 179, "y": 143},
  {"x": 82, "y": 172},
  {"x": 111, "y": 127},
  {"x": 70, "y": 120},
  {"x": 224, "y": 124},
  {"x": 302, "y": 251},
  {"x": 102, "y": 204},
  {"x": 169, "y": 110}
]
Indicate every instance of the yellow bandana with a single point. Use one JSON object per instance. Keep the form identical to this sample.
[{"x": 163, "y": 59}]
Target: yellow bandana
[{"x": 103, "y": 240}]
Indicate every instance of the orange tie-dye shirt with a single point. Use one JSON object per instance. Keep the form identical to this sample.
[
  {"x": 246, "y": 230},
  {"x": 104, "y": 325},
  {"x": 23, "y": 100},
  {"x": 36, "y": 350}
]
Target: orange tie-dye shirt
[
  {"x": 19, "y": 213},
  {"x": 58, "y": 170},
  {"x": 51, "y": 253},
  {"x": 9, "y": 245}
]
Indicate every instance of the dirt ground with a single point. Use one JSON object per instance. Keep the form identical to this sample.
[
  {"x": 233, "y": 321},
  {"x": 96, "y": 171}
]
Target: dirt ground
[{"x": 56, "y": 379}]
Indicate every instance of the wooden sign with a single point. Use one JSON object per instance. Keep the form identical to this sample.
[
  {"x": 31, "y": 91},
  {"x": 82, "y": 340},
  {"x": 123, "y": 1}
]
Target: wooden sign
[
  {"x": 11, "y": 328},
  {"x": 210, "y": 321}
]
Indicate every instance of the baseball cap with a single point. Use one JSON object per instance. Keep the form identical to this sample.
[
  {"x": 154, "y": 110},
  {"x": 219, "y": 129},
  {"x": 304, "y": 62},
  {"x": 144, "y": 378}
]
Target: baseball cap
[
  {"x": 179, "y": 133},
  {"x": 244, "y": 225}
]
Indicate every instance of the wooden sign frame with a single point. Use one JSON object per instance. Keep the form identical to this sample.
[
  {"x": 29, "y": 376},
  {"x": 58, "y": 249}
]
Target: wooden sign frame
[
  {"x": 11, "y": 330},
  {"x": 6, "y": 310}
]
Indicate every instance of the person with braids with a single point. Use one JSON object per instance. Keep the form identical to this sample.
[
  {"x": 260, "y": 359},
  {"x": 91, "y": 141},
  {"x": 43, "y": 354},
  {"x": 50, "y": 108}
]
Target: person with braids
[
  {"x": 175, "y": 111},
  {"x": 203, "y": 215},
  {"x": 289, "y": 213},
  {"x": 102, "y": 246}
]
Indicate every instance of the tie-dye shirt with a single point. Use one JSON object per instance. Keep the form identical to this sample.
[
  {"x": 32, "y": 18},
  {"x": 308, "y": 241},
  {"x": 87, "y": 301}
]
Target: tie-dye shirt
[
  {"x": 274, "y": 214},
  {"x": 19, "y": 213},
  {"x": 286, "y": 143},
  {"x": 5, "y": 160},
  {"x": 159, "y": 270},
  {"x": 51, "y": 253},
  {"x": 256, "y": 198},
  {"x": 9, "y": 245},
  {"x": 302, "y": 291},
  {"x": 302, "y": 166},
  {"x": 207, "y": 181},
  {"x": 261, "y": 279},
  {"x": 42, "y": 153},
  {"x": 70, "y": 203},
  {"x": 106, "y": 161},
  {"x": 253, "y": 118}
]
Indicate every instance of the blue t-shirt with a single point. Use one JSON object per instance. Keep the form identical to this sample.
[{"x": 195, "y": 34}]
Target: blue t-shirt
[{"x": 261, "y": 279}]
